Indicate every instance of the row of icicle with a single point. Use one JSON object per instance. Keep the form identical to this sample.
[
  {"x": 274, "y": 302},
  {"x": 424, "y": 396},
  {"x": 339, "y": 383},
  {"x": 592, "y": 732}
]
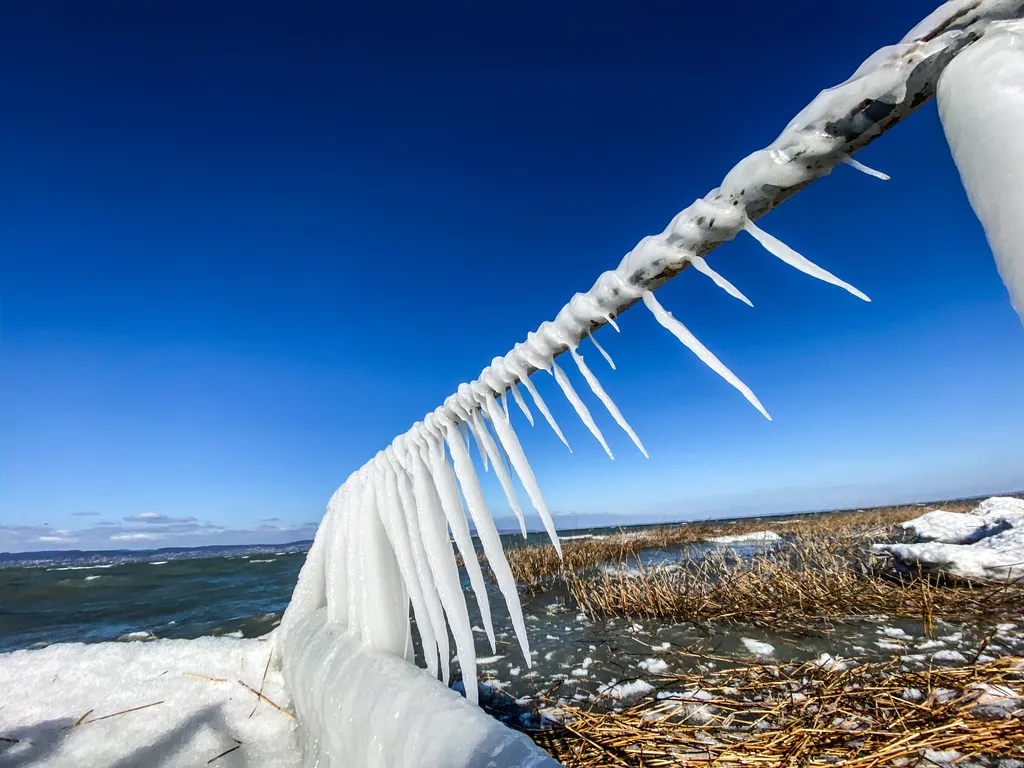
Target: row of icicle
[{"x": 423, "y": 485}]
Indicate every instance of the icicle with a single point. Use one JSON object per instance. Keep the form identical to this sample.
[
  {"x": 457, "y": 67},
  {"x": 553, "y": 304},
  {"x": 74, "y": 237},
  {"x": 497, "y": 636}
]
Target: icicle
[
  {"x": 516, "y": 455},
  {"x": 612, "y": 323},
  {"x": 504, "y": 406},
  {"x": 499, "y": 469},
  {"x": 389, "y": 505},
  {"x": 521, "y": 403},
  {"x": 581, "y": 409},
  {"x": 442, "y": 564},
  {"x": 451, "y": 504},
  {"x": 464, "y": 432},
  {"x": 601, "y": 350},
  {"x": 859, "y": 166},
  {"x": 471, "y": 424},
  {"x": 778, "y": 248},
  {"x": 489, "y": 537},
  {"x": 702, "y": 266},
  {"x": 603, "y": 396},
  {"x": 544, "y": 410},
  {"x": 439, "y": 630},
  {"x": 681, "y": 332}
]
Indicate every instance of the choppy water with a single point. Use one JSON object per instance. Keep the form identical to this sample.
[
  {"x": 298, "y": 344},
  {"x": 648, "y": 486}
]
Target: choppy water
[{"x": 94, "y": 597}]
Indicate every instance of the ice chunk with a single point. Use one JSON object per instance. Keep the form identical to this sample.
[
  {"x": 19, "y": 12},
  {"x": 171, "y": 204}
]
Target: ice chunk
[{"x": 757, "y": 647}]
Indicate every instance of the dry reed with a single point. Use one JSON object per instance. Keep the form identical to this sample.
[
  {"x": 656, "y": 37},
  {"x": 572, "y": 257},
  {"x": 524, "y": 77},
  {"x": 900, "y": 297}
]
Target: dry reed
[
  {"x": 765, "y": 716},
  {"x": 537, "y": 567},
  {"x": 803, "y": 585}
]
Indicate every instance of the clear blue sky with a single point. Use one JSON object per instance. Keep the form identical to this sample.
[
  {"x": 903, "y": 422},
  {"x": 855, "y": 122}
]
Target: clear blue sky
[{"x": 244, "y": 246}]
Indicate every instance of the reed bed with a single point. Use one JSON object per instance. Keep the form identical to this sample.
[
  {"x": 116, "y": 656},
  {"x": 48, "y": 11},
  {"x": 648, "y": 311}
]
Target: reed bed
[
  {"x": 763, "y": 716},
  {"x": 803, "y": 585},
  {"x": 537, "y": 567}
]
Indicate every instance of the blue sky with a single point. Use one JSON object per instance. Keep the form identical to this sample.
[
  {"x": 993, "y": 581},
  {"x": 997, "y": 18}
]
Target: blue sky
[{"x": 246, "y": 245}]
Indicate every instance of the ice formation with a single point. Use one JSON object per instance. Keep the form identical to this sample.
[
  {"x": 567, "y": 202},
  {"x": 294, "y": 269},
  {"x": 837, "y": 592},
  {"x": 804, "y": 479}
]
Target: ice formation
[
  {"x": 981, "y": 103},
  {"x": 986, "y": 543},
  {"x": 383, "y": 548}
]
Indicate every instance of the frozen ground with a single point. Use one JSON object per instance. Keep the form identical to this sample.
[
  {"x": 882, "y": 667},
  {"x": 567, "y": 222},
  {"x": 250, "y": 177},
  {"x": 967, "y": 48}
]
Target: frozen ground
[{"x": 144, "y": 704}]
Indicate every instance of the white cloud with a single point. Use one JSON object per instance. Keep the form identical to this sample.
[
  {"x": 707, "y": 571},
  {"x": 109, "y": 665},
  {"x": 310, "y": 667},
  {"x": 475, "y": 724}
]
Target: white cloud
[
  {"x": 148, "y": 532},
  {"x": 135, "y": 537}
]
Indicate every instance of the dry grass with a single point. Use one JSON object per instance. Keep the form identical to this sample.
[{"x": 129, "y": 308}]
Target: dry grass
[
  {"x": 804, "y": 715},
  {"x": 537, "y": 567},
  {"x": 804, "y": 585}
]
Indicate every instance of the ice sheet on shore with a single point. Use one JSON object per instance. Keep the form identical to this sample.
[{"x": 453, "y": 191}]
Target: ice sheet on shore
[
  {"x": 986, "y": 543},
  {"x": 86, "y": 706}
]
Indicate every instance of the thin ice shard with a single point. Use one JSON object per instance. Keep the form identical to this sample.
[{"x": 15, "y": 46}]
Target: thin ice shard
[
  {"x": 701, "y": 265},
  {"x": 488, "y": 533},
  {"x": 857, "y": 165},
  {"x": 581, "y": 410},
  {"x": 516, "y": 455},
  {"x": 778, "y": 248},
  {"x": 605, "y": 398},
  {"x": 601, "y": 349},
  {"x": 491, "y": 450},
  {"x": 471, "y": 424},
  {"x": 521, "y": 403},
  {"x": 682, "y": 333},
  {"x": 544, "y": 410}
]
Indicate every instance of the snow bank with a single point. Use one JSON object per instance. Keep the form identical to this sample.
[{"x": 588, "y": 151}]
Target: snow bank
[
  {"x": 986, "y": 543},
  {"x": 60, "y": 706},
  {"x": 757, "y": 537}
]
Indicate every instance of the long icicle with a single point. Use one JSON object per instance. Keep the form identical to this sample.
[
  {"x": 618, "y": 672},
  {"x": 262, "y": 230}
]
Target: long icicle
[
  {"x": 518, "y": 458},
  {"x": 581, "y": 410},
  {"x": 479, "y": 443},
  {"x": 604, "y": 397},
  {"x": 517, "y": 396},
  {"x": 489, "y": 538},
  {"x": 442, "y": 564},
  {"x": 393, "y": 518},
  {"x": 681, "y": 332},
  {"x": 778, "y": 248},
  {"x": 701, "y": 265},
  {"x": 499, "y": 467},
  {"x": 544, "y": 410},
  {"x": 435, "y": 611},
  {"x": 451, "y": 504},
  {"x": 601, "y": 349}
]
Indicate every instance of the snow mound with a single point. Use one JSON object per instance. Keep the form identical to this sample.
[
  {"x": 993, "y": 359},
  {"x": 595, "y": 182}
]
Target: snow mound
[
  {"x": 757, "y": 537},
  {"x": 953, "y": 527},
  {"x": 166, "y": 702},
  {"x": 986, "y": 543}
]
